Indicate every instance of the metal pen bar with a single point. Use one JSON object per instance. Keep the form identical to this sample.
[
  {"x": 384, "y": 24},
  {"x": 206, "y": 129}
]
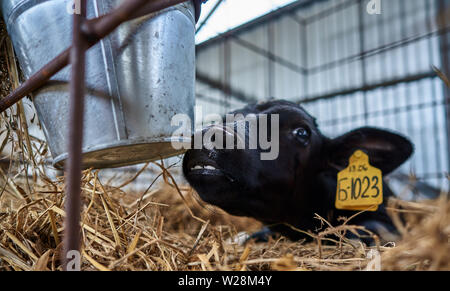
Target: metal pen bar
[
  {"x": 77, "y": 90},
  {"x": 85, "y": 35},
  {"x": 226, "y": 73},
  {"x": 370, "y": 87},
  {"x": 362, "y": 44},
  {"x": 429, "y": 16},
  {"x": 444, "y": 7},
  {"x": 219, "y": 85},
  {"x": 379, "y": 50},
  {"x": 385, "y": 112},
  {"x": 270, "y": 61}
]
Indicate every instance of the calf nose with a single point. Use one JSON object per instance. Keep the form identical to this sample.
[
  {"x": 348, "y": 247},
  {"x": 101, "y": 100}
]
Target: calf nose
[{"x": 215, "y": 137}]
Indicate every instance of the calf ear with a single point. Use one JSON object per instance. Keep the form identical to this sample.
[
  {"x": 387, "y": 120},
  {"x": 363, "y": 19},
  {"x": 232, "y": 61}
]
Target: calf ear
[{"x": 386, "y": 150}]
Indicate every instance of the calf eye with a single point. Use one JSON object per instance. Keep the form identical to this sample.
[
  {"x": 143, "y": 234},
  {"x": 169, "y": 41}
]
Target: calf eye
[{"x": 302, "y": 135}]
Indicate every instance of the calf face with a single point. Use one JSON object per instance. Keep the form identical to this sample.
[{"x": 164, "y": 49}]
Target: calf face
[{"x": 301, "y": 181}]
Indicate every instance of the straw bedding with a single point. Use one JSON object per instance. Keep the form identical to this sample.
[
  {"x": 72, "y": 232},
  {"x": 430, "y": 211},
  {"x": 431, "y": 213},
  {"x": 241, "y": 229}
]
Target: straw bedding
[{"x": 166, "y": 227}]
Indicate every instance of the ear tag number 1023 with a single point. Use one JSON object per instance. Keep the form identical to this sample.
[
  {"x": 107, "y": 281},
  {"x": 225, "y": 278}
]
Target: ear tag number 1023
[{"x": 359, "y": 186}]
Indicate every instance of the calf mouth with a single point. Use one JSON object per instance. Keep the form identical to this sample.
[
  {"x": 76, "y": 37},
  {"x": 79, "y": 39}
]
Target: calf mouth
[
  {"x": 202, "y": 164},
  {"x": 204, "y": 168},
  {"x": 206, "y": 173}
]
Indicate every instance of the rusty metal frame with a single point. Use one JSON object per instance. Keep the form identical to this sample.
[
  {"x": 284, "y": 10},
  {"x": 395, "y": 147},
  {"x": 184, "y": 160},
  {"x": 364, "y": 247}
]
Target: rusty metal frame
[
  {"x": 86, "y": 33},
  {"x": 76, "y": 105}
]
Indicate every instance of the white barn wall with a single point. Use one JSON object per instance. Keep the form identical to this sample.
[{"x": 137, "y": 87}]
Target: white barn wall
[{"x": 414, "y": 109}]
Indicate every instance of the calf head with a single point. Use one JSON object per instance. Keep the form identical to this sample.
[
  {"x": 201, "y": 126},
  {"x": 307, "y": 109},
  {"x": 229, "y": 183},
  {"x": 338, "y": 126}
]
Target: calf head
[{"x": 290, "y": 186}]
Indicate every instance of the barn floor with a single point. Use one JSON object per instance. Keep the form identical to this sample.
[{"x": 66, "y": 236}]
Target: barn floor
[
  {"x": 156, "y": 231},
  {"x": 166, "y": 228}
]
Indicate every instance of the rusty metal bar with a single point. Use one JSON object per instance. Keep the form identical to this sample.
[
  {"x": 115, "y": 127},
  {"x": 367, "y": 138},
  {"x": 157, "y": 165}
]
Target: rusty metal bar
[
  {"x": 211, "y": 100},
  {"x": 102, "y": 26},
  {"x": 85, "y": 35},
  {"x": 270, "y": 55},
  {"x": 77, "y": 91},
  {"x": 95, "y": 29},
  {"x": 36, "y": 81}
]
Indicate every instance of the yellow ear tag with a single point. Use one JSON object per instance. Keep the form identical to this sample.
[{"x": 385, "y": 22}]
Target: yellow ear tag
[{"x": 359, "y": 186}]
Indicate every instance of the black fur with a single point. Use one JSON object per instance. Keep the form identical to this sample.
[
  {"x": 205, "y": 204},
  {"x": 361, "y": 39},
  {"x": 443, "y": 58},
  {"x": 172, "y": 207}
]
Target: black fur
[{"x": 301, "y": 181}]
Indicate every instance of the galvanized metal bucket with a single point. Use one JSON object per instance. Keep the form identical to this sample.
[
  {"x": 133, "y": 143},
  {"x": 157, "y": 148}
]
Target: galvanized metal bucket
[{"x": 137, "y": 79}]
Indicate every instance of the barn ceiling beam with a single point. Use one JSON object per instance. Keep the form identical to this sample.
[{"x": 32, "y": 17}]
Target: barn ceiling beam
[
  {"x": 212, "y": 100},
  {"x": 269, "y": 55},
  {"x": 288, "y": 9},
  {"x": 370, "y": 87},
  {"x": 211, "y": 13},
  {"x": 225, "y": 88}
]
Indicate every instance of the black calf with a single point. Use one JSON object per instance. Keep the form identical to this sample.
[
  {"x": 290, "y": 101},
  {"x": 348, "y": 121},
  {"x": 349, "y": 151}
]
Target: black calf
[{"x": 301, "y": 181}]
